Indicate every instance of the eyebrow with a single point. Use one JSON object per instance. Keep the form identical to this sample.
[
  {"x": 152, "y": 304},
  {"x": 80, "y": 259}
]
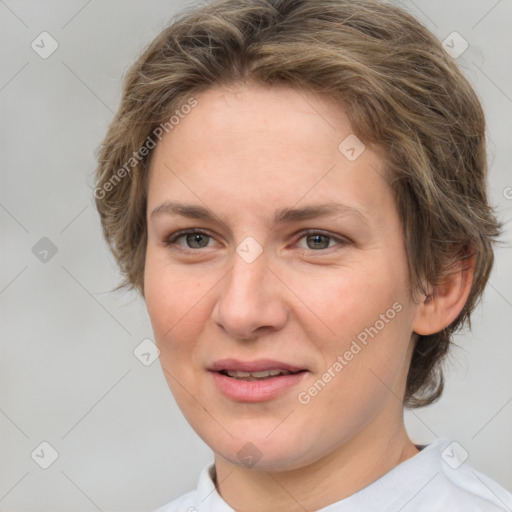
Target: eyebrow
[{"x": 281, "y": 216}]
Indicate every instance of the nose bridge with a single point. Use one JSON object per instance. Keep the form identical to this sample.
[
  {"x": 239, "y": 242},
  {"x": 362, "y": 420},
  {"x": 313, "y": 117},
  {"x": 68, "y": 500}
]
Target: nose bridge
[
  {"x": 249, "y": 297},
  {"x": 246, "y": 279},
  {"x": 246, "y": 288}
]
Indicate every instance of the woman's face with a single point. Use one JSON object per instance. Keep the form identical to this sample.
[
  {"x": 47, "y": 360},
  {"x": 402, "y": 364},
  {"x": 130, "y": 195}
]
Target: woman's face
[{"x": 293, "y": 260}]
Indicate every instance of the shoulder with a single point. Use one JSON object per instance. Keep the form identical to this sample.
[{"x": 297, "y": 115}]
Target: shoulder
[
  {"x": 203, "y": 498},
  {"x": 437, "y": 479},
  {"x": 184, "y": 503},
  {"x": 457, "y": 485}
]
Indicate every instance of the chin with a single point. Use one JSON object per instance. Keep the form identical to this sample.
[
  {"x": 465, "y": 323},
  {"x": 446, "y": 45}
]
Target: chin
[{"x": 253, "y": 450}]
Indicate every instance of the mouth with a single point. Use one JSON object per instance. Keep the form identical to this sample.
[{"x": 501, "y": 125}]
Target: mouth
[
  {"x": 257, "y": 376},
  {"x": 254, "y": 381}
]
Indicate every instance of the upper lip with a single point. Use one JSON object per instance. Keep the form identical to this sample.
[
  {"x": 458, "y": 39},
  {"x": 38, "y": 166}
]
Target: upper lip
[{"x": 252, "y": 366}]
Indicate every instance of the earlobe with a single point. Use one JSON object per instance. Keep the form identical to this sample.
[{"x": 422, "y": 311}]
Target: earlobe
[{"x": 441, "y": 306}]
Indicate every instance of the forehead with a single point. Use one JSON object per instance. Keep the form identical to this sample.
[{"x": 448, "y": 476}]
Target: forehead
[
  {"x": 262, "y": 147},
  {"x": 264, "y": 113}
]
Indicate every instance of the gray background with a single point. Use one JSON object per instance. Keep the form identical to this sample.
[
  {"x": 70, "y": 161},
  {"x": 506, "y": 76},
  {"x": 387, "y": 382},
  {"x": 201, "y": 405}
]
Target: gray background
[{"x": 68, "y": 375}]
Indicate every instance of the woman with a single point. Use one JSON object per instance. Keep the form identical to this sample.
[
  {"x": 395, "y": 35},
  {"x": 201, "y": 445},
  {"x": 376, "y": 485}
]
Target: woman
[{"x": 297, "y": 189}]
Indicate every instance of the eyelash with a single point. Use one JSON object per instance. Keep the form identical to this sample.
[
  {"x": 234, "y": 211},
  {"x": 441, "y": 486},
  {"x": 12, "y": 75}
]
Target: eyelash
[{"x": 171, "y": 239}]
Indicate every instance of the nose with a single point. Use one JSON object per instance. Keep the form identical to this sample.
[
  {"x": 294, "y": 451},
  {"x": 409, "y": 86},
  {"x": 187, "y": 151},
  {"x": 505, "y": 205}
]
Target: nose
[{"x": 250, "y": 301}]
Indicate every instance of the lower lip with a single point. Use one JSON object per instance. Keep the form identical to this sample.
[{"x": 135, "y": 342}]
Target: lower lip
[{"x": 255, "y": 391}]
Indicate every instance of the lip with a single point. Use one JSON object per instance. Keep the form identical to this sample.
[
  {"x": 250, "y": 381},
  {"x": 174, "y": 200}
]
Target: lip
[
  {"x": 252, "y": 366},
  {"x": 254, "y": 391}
]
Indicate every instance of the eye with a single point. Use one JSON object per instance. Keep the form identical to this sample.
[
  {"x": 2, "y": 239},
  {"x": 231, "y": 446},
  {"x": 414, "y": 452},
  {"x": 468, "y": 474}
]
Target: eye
[
  {"x": 318, "y": 240},
  {"x": 193, "y": 239}
]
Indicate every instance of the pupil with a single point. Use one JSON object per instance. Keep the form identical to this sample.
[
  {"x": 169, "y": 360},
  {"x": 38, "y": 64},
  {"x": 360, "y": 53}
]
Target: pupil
[
  {"x": 318, "y": 241},
  {"x": 194, "y": 238}
]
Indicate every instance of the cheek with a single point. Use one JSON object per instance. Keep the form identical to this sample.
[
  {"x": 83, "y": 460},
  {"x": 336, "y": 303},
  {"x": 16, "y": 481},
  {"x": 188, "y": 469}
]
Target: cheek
[
  {"x": 340, "y": 303},
  {"x": 366, "y": 321},
  {"x": 358, "y": 378},
  {"x": 170, "y": 303},
  {"x": 178, "y": 305},
  {"x": 170, "y": 294}
]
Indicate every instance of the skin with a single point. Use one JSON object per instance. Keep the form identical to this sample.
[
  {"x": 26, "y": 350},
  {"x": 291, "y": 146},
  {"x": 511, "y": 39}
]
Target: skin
[{"x": 244, "y": 152}]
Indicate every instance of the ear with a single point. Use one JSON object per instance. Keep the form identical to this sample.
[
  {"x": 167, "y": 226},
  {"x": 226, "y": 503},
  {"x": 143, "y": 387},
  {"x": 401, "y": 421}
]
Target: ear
[{"x": 444, "y": 303}]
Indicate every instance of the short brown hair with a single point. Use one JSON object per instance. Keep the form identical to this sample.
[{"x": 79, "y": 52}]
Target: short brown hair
[{"x": 402, "y": 92}]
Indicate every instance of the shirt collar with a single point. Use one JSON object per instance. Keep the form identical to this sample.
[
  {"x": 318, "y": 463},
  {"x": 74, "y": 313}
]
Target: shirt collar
[{"x": 400, "y": 484}]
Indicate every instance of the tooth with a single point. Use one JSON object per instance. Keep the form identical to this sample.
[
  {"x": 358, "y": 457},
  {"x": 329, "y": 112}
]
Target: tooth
[
  {"x": 236, "y": 373},
  {"x": 263, "y": 373}
]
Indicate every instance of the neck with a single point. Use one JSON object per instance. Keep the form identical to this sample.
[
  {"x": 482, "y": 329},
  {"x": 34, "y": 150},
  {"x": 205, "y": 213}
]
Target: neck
[{"x": 341, "y": 473}]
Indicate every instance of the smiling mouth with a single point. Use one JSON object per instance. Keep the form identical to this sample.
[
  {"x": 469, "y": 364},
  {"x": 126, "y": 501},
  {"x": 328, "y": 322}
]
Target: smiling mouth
[
  {"x": 257, "y": 376},
  {"x": 254, "y": 381}
]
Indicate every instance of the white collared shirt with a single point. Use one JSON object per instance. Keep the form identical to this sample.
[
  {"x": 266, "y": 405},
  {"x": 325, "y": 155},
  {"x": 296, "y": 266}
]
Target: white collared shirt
[{"x": 435, "y": 479}]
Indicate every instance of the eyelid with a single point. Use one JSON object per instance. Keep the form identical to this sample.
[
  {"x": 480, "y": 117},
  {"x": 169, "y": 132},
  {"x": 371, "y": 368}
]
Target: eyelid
[
  {"x": 169, "y": 241},
  {"x": 338, "y": 238}
]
